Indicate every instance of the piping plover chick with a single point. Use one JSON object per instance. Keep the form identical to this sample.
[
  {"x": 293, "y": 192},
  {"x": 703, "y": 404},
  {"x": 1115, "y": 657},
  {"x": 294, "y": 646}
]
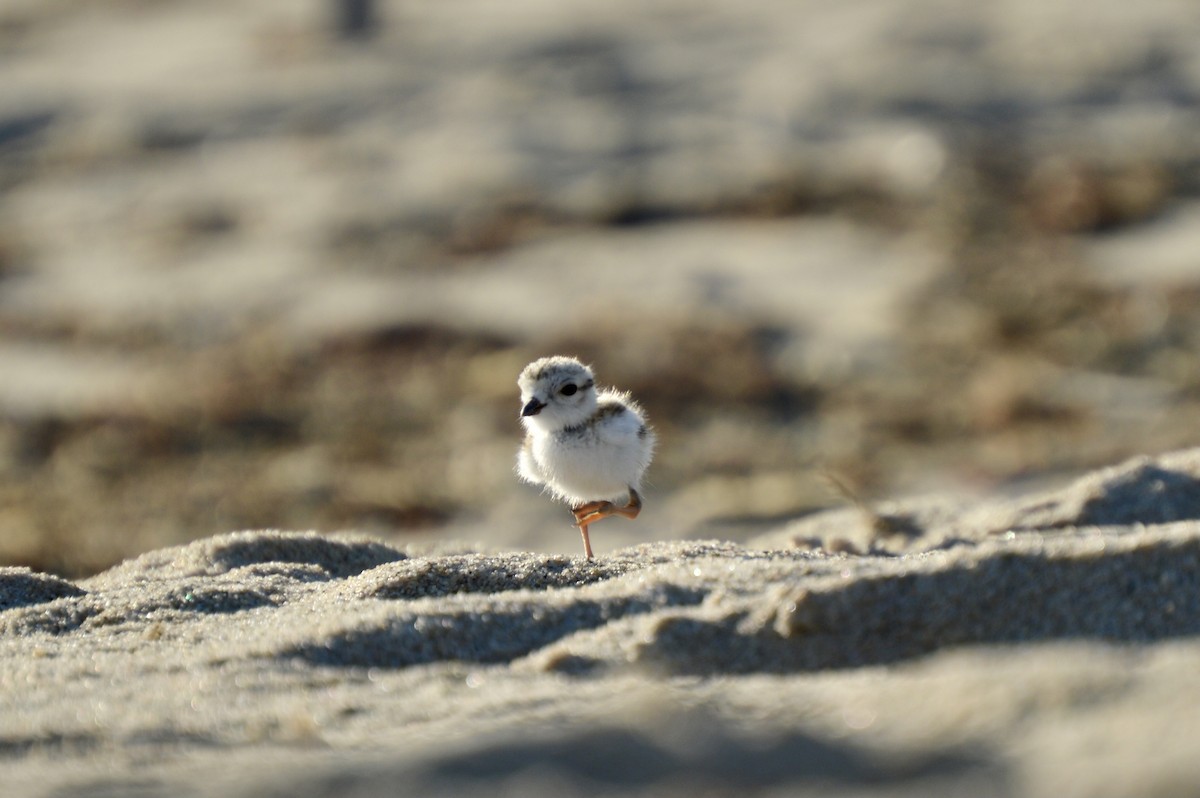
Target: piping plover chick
[{"x": 587, "y": 447}]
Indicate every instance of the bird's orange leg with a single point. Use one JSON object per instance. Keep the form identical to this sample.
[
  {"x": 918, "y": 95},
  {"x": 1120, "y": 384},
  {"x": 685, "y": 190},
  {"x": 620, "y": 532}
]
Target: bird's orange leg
[
  {"x": 632, "y": 508},
  {"x": 600, "y": 509},
  {"x": 592, "y": 512},
  {"x": 587, "y": 544},
  {"x": 586, "y": 514}
]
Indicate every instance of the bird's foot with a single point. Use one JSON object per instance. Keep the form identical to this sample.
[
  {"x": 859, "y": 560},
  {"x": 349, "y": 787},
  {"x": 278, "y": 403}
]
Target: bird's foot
[{"x": 594, "y": 511}]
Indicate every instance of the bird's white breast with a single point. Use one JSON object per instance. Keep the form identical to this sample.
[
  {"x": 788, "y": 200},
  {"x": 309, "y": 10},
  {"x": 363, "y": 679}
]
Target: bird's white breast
[{"x": 600, "y": 459}]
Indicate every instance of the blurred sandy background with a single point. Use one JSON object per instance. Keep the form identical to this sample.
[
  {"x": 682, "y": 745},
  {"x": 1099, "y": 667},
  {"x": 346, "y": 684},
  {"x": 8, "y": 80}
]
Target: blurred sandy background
[{"x": 269, "y": 265}]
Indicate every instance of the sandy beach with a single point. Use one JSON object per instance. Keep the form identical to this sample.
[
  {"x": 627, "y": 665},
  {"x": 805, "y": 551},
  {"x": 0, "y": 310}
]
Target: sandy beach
[
  {"x": 910, "y": 294},
  {"x": 1040, "y": 646}
]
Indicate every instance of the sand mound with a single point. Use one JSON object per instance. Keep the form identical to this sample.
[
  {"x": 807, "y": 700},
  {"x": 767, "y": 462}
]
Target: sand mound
[
  {"x": 20, "y": 587},
  {"x": 254, "y": 646}
]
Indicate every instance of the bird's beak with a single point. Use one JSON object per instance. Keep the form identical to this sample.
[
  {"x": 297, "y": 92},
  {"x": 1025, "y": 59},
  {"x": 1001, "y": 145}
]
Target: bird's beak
[{"x": 532, "y": 408}]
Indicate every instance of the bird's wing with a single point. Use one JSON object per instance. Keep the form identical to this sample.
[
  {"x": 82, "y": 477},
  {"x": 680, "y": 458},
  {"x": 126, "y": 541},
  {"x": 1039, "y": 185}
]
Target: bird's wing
[{"x": 619, "y": 419}]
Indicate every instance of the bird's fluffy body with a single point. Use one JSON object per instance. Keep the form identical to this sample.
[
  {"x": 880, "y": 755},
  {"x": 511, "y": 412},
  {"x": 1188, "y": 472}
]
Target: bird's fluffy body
[{"x": 584, "y": 445}]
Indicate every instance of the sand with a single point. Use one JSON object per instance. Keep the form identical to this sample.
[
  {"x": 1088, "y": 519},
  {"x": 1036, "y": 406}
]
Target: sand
[{"x": 1042, "y": 645}]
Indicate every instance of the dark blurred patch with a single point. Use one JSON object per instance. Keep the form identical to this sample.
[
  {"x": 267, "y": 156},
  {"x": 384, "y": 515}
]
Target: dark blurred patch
[
  {"x": 20, "y": 129},
  {"x": 13, "y": 256},
  {"x": 399, "y": 516},
  {"x": 21, "y": 135},
  {"x": 256, "y": 428},
  {"x": 1066, "y": 195},
  {"x": 388, "y": 242},
  {"x": 34, "y": 440},
  {"x": 355, "y": 19},
  {"x": 207, "y": 222},
  {"x": 635, "y": 215},
  {"x": 417, "y": 340},
  {"x": 170, "y": 135}
]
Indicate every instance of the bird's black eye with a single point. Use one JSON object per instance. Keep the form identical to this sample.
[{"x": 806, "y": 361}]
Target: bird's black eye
[{"x": 569, "y": 390}]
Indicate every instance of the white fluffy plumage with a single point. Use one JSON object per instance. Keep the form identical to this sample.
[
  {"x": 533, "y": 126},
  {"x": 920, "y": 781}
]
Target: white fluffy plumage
[{"x": 581, "y": 443}]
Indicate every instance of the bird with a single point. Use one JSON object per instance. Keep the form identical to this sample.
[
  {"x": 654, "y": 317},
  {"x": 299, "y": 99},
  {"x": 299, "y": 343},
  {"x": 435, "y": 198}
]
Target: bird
[{"x": 587, "y": 447}]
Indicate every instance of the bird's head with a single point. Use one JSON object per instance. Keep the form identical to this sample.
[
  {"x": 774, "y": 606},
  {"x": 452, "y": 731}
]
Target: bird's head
[{"x": 556, "y": 392}]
